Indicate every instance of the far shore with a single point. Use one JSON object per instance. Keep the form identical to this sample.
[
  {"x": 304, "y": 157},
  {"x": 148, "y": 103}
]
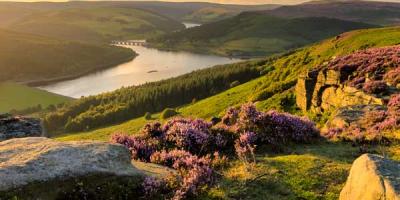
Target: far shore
[{"x": 44, "y": 82}]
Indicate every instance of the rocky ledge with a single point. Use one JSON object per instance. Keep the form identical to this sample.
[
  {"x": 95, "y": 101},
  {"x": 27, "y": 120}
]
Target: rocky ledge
[
  {"x": 18, "y": 127},
  {"x": 373, "y": 177},
  {"x": 41, "y": 168}
]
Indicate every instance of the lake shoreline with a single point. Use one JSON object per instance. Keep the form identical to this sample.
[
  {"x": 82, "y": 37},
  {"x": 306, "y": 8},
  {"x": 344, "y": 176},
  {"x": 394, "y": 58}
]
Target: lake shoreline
[{"x": 45, "y": 82}]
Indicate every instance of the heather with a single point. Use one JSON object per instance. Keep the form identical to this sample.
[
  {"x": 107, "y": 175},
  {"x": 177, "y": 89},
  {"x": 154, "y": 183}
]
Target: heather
[
  {"x": 372, "y": 127},
  {"x": 196, "y": 149},
  {"x": 371, "y": 70}
]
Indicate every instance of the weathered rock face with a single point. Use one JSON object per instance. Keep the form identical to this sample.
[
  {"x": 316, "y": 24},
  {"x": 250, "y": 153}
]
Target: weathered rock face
[
  {"x": 373, "y": 177},
  {"x": 322, "y": 90},
  {"x": 41, "y": 168},
  {"x": 18, "y": 127},
  {"x": 344, "y": 116}
]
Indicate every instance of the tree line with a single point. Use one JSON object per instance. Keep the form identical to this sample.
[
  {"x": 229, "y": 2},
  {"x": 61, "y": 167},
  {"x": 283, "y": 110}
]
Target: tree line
[{"x": 130, "y": 102}]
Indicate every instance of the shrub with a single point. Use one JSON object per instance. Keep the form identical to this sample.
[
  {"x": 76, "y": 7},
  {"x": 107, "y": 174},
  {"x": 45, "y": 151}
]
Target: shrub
[
  {"x": 193, "y": 146},
  {"x": 271, "y": 127},
  {"x": 153, "y": 130},
  {"x": 245, "y": 147},
  {"x": 147, "y": 116},
  {"x": 188, "y": 134},
  {"x": 141, "y": 149},
  {"x": 168, "y": 113},
  {"x": 374, "y": 87},
  {"x": 234, "y": 84},
  {"x": 393, "y": 76}
]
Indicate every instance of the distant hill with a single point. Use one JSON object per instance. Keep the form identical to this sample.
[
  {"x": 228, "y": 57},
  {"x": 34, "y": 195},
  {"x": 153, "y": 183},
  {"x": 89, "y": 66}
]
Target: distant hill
[
  {"x": 145, "y": 11},
  {"x": 255, "y": 34},
  {"x": 26, "y": 57},
  {"x": 94, "y": 24},
  {"x": 380, "y": 13},
  {"x": 18, "y": 97}
]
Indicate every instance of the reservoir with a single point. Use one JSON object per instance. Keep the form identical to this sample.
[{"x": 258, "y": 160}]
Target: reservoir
[{"x": 150, "y": 65}]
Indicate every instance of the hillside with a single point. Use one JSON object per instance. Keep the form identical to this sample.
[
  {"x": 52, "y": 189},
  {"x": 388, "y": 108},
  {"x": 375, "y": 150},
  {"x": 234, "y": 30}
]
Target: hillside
[
  {"x": 315, "y": 170},
  {"x": 380, "y": 13},
  {"x": 19, "y": 97},
  {"x": 51, "y": 59},
  {"x": 254, "y": 34},
  {"x": 97, "y": 24},
  {"x": 275, "y": 90},
  {"x": 198, "y": 12}
]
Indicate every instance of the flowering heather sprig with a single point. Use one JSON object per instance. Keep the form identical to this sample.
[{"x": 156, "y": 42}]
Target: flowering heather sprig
[
  {"x": 245, "y": 147},
  {"x": 231, "y": 116},
  {"x": 333, "y": 133},
  {"x": 374, "y": 63},
  {"x": 393, "y": 76},
  {"x": 375, "y": 87},
  {"x": 195, "y": 171},
  {"x": 188, "y": 134},
  {"x": 141, "y": 149},
  {"x": 153, "y": 130},
  {"x": 152, "y": 186},
  {"x": 394, "y": 105},
  {"x": 290, "y": 127},
  {"x": 357, "y": 82}
]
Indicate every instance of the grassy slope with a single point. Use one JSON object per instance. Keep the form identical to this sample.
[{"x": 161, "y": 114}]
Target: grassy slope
[
  {"x": 313, "y": 171},
  {"x": 26, "y": 57},
  {"x": 15, "y": 96},
  {"x": 255, "y": 34},
  {"x": 381, "y": 13},
  {"x": 287, "y": 69},
  {"x": 95, "y": 24}
]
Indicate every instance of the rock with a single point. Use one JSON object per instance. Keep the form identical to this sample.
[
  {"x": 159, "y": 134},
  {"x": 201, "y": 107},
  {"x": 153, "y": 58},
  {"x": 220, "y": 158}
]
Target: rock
[
  {"x": 372, "y": 177},
  {"x": 42, "y": 168},
  {"x": 324, "y": 90},
  {"x": 347, "y": 115},
  {"x": 18, "y": 127}
]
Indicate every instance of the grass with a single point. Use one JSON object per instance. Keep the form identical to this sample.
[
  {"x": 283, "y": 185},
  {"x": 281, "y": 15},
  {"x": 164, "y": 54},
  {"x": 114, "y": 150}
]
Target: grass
[
  {"x": 287, "y": 68},
  {"x": 308, "y": 171},
  {"x": 15, "y": 96},
  {"x": 96, "y": 24},
  {"x": 255, "y": 34},
  {"x": 38, "y": 58}
]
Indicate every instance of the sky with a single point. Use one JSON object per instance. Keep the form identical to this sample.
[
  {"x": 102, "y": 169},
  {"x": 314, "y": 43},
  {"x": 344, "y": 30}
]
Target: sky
[{"x": 251, "y": 2}]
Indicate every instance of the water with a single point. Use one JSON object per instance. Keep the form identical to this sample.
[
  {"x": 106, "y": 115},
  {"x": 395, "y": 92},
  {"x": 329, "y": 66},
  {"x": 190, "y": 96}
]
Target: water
[
  {"x": 151, "y": 65},
  {"x": 190, "y": 25}
]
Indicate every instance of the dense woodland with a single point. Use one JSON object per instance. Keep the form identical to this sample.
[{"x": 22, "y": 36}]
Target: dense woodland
[{"x": 130, "y": 102}]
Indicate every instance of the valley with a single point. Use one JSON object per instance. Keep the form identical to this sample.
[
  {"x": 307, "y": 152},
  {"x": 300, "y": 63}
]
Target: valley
[{"x": 218, "y": 101}]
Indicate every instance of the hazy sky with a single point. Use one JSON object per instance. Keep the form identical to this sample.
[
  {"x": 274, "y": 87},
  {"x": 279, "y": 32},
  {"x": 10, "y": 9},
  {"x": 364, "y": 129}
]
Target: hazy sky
[{"x": 223, "y": 1}]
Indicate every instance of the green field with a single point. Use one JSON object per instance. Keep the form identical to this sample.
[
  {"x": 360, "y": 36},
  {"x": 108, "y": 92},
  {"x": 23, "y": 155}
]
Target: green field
[
  {"x": 255, "y": 34},
  {"x": 27, "y": 57},
  {"x": 15, "y": 96},
  {"x": 95, "y": 24}
]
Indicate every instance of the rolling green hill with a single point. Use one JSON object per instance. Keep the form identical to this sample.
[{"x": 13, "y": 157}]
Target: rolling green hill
[
  {"x": 267, "y": 90},
  {"x": 380, "y": 13},
  {"x": 199, "y": 12},
  {"x": 32, "y": 58},
  {"x": 96, "y": 24},
  {"x": 298, "y": 171},
  {"x": 254, "y": 34},
  {"x": 18, "y": 97}
]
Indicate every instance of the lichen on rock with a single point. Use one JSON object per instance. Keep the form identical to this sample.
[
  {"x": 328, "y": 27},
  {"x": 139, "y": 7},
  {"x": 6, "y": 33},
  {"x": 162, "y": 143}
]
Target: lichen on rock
[{"x": 42, "y": 168}]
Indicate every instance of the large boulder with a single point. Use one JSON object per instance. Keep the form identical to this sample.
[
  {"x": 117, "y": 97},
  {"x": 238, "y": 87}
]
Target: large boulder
[
  {"x": 18, "y": 127},
  {"x": 372, "y": 177},
  {"x": 42, "y": 168},
  {"x": 324, "y": 90}
]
